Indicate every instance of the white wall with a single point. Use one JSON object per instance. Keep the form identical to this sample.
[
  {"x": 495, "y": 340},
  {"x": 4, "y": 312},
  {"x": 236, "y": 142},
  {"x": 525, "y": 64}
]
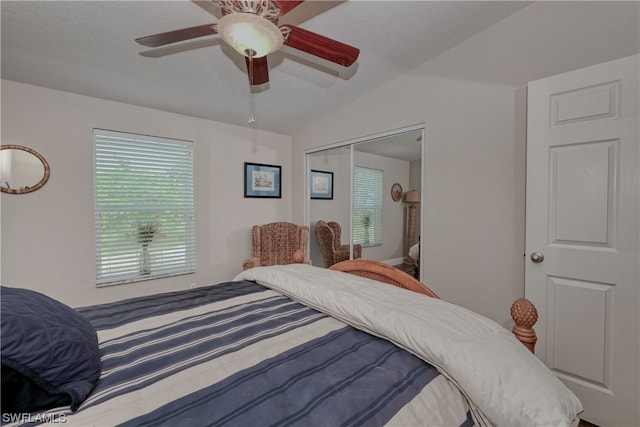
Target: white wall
[
  {"x": 472, "y": 196},
  {"x": 472, "y": 101},
  {"x": 48, "y": 235}
]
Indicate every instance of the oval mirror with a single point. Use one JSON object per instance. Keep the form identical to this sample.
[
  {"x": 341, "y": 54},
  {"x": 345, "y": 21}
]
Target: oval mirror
[{"x": 22, "y": 169}]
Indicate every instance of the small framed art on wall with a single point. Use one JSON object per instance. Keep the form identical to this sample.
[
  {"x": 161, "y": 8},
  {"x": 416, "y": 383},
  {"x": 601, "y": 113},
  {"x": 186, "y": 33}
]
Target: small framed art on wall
[
  {"x": 262, "y": 180},
  {"x": 321, "y": 185}
]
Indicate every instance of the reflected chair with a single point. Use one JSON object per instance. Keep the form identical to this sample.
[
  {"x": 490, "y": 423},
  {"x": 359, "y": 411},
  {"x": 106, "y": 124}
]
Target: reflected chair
[
  {"x": 278, "y": 243},
  {"x": 329, "y": 240}
]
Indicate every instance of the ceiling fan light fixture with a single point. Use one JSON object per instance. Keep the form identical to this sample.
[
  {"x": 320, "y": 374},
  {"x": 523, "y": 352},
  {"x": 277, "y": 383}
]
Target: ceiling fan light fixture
[{"x": 250, "y": 35}]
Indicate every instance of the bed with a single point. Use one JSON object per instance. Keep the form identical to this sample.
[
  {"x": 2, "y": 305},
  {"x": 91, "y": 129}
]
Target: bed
[{"x": 300, "y": 345}]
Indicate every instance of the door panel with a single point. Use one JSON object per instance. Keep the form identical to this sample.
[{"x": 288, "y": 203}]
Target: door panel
[
  {"x": 582, "y": 214},
  {"x": 583, "y": 196},
  {"x": 583, "y": 104},
  {"x": 581, "y": 352}
]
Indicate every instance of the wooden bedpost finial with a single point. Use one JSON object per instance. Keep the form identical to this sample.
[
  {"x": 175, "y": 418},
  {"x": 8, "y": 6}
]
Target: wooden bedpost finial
[{"x": 525, "y": 315}]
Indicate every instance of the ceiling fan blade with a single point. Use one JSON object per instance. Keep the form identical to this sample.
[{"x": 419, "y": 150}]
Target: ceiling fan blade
[
  {"x": 260, "y": 72},
  {"x": 169, "y": 37},
  {"x": 286, "y": 5},
  {"x": 321, "y": 46}
]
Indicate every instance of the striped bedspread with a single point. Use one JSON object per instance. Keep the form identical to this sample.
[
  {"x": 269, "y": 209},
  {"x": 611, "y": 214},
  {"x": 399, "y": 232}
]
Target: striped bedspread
[{"x": 240, "y": 354}]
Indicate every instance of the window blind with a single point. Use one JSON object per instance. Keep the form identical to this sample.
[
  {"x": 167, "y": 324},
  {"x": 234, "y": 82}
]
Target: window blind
[
  {"x": 367, "y": 206},
  {"x": 144, "y": 219}
]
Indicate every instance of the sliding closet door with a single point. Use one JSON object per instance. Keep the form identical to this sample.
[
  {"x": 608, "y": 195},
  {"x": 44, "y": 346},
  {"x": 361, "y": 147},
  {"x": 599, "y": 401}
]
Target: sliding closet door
[
  {"x": 583, "y": 262},
  {"x": 395, "y": 158}
]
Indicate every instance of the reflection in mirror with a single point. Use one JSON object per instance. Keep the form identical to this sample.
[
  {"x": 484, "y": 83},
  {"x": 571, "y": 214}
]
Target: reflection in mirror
[
  {"x": 382, "y": 235},
  {"x": 22, "y": 170},
  {"x": 336, "y": 209},
  {"x": 396, "y": 158}
]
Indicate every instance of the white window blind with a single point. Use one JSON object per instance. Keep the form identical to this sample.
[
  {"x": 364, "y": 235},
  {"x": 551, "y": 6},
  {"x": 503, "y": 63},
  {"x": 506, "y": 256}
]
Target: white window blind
[
  {"x": 144, "y": 220},
  {"x": 367, "y": 206}
]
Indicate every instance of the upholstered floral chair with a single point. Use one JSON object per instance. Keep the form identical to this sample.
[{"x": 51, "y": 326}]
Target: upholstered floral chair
[
  {"x": 329, "y": 239},
  {"x": 278, "y": 243}
]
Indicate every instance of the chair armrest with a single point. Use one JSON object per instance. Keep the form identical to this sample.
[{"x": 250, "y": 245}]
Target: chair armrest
[
  {"x": 344, "y": 249},
  {"x": 357, "y": 251},
  {"x": 250, "y": 263},
  {"x": 299, "y": 256}
]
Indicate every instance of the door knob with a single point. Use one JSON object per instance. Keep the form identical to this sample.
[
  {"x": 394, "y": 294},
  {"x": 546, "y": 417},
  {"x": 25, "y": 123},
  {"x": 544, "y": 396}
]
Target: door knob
[{"x": 537, "y": 257}]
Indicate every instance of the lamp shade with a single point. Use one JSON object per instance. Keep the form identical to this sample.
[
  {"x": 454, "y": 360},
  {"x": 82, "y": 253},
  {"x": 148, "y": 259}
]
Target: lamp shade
[
  {"x": 412, "y": 196},
  {"x": 249, "y": 34}
]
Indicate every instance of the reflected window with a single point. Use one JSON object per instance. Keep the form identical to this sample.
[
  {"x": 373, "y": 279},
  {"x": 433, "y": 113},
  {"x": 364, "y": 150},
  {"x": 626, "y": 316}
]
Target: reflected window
[{"x": 367, "y": 206}]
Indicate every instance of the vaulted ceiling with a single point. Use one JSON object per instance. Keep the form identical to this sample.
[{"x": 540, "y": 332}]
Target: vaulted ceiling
[{"x": 88, "y": 47}]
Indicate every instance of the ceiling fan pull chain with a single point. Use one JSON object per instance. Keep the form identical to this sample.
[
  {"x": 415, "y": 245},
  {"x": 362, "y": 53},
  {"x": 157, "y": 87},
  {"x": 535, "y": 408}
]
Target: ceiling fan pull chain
[{"x": 251, "y": 120}]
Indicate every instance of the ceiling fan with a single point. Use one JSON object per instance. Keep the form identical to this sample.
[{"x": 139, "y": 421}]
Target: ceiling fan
[{"x": 251, "y": 28}]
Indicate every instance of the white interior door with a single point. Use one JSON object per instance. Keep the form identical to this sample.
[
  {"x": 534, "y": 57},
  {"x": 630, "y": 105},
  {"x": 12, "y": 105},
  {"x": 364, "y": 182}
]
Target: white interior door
[{"x": 583, "y": 231}]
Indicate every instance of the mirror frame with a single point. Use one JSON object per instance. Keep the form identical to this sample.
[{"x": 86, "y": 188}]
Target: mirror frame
[{"x": 43, "y": 181}]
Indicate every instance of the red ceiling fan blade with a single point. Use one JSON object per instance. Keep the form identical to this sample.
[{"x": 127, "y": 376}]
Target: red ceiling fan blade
[
  {"x": 321, "y": 46},
  {"x": 260, "y": 72},
  {"x": 169, "y": 37},
  {"x": 286, "y": 5}
]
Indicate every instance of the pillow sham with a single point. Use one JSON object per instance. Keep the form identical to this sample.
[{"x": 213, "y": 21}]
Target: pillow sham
[{"x": 49, "y": 352}]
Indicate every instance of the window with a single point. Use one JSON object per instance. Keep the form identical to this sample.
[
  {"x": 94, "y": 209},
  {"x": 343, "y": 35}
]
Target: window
[
  {"x": 143, "y": 207},
  {"x": 367, "y": 206}
]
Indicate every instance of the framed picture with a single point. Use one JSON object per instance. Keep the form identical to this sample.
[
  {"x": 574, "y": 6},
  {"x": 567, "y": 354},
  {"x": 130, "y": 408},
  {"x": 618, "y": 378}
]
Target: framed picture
[
  {"x": 262, "y": 180},
  {"x": 321, "y": 185}
]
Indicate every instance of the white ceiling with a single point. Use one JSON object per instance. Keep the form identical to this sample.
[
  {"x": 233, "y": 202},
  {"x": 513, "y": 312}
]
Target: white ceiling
[
  {"x": 87, "y": 47},
  {"x": 402, "y": 146}
]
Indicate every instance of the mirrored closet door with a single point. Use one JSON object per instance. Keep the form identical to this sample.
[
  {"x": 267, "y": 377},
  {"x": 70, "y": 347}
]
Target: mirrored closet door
[{"x": 367, "y": 193}]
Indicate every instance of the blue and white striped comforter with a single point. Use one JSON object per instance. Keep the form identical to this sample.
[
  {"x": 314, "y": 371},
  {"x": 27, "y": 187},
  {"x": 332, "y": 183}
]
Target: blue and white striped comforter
[{"x": 240, "y": 354}]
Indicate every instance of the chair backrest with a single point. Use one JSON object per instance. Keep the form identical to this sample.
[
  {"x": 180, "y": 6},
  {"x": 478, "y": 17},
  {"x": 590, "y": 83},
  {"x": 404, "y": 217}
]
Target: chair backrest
[
  {"x": 276, "y": 243},
  {"x": 326, "y": 239},
  {"x": 333, "y": 251},
  {"x": 337, "y": 234}
]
